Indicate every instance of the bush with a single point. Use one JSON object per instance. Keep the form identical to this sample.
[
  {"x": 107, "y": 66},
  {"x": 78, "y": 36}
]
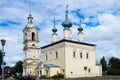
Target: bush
[
  {"x": 43, "y": 76},
  {"x": 113, "y": 72},
  {"x": 58, "y": 76}
]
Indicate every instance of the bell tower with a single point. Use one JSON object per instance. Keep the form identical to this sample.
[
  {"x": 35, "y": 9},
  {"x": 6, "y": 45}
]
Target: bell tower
[{"x": 31, "y": 48}]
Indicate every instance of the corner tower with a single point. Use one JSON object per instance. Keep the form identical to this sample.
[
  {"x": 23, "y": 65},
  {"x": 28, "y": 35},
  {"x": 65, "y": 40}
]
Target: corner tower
[{"x": 31, "y": 48}]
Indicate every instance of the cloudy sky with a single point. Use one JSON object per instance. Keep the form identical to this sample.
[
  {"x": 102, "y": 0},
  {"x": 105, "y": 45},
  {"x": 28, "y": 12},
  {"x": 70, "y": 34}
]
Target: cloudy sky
[{"x": 100, "y": 20}]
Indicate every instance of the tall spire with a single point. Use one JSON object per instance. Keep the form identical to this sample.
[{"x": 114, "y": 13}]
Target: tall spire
[
  {"x": 66, "y": 24},
  {"x": 30, "y": 18}
]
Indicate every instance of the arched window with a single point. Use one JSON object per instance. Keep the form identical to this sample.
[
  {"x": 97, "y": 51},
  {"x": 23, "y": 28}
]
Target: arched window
[
  {"x": 87, "y": 56},
  {"x": 74, "y": 54},
  {"x": 89, "y": 70},
  {"x": 56, "y": 55},
  {"x": 80, "y": 54},
  {"x": 33, "y": 36},
  {"x": 46, "y": 57}
]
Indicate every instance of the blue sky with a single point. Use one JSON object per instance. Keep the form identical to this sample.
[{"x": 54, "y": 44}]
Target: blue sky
[{"x": 100, "y": 20}]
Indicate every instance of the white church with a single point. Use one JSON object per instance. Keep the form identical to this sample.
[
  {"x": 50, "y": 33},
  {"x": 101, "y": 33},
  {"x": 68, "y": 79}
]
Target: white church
[{"x": 70, "y": 58}]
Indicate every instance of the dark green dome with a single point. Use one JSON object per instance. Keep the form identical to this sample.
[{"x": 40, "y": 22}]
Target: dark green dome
[
  {"x": 67, "y": 24},
  {"x": 54, "y": 30},
  {"x": 80, "y": 29}
]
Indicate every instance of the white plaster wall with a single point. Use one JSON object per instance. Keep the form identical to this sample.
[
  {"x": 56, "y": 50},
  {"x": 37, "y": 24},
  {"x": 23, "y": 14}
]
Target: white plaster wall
[
  {"x": 80, "y": 37},
  {"x": 54, "y": 38},
  {"x": 51, "y": 51},
  {"x": 74, "y": 67},
  {"x": 54, "y": 71},
  {"x": 67, "y": 34}
]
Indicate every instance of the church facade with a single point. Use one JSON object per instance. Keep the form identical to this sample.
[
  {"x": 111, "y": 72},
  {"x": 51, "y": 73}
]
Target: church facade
[{"x": 70, "y": 58}]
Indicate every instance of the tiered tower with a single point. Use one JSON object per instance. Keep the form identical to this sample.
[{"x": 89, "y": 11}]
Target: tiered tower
[{"x": 31, "y": 48}]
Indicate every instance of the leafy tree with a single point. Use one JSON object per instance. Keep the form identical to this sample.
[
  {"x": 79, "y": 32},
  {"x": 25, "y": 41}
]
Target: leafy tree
[
  {"x": 18, "y": 67},
  {"x": 114, "y": 66},
  {"x": 104, "y": 63},
  {"x": 114, "y": 63}
]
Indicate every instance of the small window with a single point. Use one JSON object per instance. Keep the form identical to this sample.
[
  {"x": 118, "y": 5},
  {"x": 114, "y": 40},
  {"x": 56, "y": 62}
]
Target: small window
[
  {"x": 56, "y": 55},
  {"x": 80, "y": 54},
  {"x": 87, "y": 56},
  {"x": 46, "y": 57},
  {"x": 89, "y": 70},
  {"x": 74, "y": 54},
  {"x": 33, "y": 44}
]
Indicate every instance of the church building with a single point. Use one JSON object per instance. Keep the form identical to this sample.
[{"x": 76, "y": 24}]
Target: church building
[{"x": 66, "y": 56}]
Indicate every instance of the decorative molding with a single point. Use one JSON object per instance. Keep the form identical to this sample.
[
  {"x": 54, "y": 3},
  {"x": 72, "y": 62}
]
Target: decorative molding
[
  {"x": 52, "y": 48},
  {"x": 76, "y": 46}
]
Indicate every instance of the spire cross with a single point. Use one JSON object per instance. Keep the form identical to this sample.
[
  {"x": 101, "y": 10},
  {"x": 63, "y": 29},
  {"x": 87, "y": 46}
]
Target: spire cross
[
  {"x": 29, "y": 7},
  {"x": 30, "y": 18},
  {"x": 80, "y": 22},
  {"x": 67, "y": 11},
  {"x": 54, "y": 22}
]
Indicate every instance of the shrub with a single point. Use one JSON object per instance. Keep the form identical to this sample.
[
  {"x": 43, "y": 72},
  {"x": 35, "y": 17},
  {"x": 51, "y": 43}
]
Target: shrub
[
  {"x": 113, "y": 72},
  {"x": 43, "y": 76},
  {"x": 58, "y": 76}
]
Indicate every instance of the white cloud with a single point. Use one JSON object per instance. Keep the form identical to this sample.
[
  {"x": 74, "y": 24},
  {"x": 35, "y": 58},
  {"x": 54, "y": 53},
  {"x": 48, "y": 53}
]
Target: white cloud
[
  {"x": 105, "y": 12},
  {"x": 106, "y": 36}
]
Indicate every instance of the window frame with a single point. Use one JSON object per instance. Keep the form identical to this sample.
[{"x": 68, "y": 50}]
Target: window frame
[
  {"x": 56, "y": 55},
  {"x": 81, "y": 55},
  {"x": 74, "y": 54},
  {"x": 87, "y": 56}
]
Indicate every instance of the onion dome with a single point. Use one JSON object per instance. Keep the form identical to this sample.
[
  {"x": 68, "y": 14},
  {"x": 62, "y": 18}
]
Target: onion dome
[
  {"x": 80, "y": 29},
  {"x": 54, "y": 29},
  {"x": 66, "y": 23}
]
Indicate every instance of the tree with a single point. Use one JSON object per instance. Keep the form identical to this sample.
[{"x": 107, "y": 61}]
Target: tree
[
  {"x": 104, "y": 63},
  {"x": 114, "y": 66},
  {"x": 114, "y": 63},
  {"x": 18, "y": 67}
]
